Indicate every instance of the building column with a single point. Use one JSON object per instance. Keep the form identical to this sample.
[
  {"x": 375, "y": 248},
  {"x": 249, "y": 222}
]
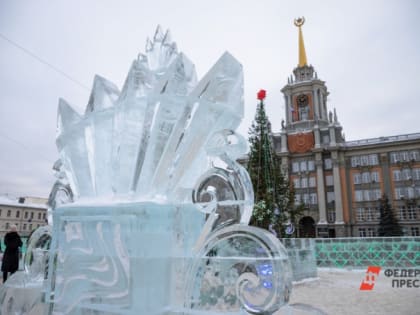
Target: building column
[
  {"x": 317, "y": 109},
  {"x": 320, "y": 189},
  {"x": 337, "y": 189},
  {"x": 288, "y": 109},
  {"x": 283, "y": 148},
  {"x": 332, "y": 136},
  {"x": 317, "y": 137}
]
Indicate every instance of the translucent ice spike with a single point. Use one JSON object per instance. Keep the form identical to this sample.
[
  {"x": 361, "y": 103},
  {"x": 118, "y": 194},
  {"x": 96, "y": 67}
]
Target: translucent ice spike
[
  {"x": 161, "y": 51},
  {"x": 72, "y": 147},
  {"x": 99, "y": 123},
  {"x": 130, "y": 117},
  {"x": 170, "y": 98},
  {"x": 104, "y": 95},
  {"x": 215, "y": 104}
]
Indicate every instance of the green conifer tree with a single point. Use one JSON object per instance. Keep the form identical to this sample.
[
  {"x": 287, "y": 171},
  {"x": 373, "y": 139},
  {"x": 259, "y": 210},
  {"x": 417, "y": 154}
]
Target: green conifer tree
[
  {"x": 274, "y": 196},
  {"x": 388, "y": 224}
]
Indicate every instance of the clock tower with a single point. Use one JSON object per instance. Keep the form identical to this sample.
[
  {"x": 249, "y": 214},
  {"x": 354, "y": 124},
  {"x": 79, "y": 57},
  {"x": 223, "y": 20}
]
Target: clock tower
[{"x": 310, "y": 144}]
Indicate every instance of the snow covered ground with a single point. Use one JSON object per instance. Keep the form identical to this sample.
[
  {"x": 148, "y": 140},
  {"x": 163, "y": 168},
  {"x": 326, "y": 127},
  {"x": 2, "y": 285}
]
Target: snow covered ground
[{"x": 336, "y": 292}]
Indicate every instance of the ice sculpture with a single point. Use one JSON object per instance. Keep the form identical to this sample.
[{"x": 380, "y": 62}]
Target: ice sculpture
[{"x": 156, "y": 209}]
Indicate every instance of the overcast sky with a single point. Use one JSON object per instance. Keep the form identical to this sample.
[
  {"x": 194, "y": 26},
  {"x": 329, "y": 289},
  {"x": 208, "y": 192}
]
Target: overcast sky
[{"x": 368, "y": 52}]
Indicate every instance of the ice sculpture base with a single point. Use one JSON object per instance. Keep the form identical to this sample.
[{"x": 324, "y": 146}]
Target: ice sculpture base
[
  {"x": 141, "y": 258},
  {"x": 122, "y": 258}
]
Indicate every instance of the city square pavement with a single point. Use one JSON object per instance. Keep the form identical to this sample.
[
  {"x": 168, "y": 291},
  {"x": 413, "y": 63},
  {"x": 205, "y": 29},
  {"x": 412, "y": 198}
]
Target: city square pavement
[{"x": 336, "y": 292}]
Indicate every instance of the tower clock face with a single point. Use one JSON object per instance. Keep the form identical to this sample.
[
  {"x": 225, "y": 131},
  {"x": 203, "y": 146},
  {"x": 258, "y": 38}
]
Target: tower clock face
[{"x": 302, "y": 100}]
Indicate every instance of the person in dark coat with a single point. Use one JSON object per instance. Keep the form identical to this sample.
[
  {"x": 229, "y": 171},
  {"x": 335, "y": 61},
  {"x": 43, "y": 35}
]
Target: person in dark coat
[{"x": 11, "y": 254}]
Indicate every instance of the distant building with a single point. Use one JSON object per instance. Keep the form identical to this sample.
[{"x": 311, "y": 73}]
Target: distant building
[
  {"x": 27, "y": 213},
  {"x": 341, "y": 181}
]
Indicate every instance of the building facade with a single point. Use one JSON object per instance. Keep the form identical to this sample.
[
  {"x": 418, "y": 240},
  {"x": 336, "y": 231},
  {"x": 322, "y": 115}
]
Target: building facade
[
  {"x": 340, "y": 182},
  {"x": 27, "y": 213}
]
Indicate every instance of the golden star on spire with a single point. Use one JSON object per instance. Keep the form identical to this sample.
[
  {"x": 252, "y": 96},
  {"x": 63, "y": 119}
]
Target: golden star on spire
[{"x": 302, "y": 53}]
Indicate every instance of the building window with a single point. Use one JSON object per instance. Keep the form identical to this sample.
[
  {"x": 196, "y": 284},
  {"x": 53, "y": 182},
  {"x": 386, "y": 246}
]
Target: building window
[
  {"x": 404, "y": 156},
  {"x": 26, "y": 214},
  {"x": 371, "y": 214},
  {"x": 314, "y": 198},
  {"x": 374, "y": 177},
  {"x": 39, "y": 215},
  {"x": 329, "y": 180},
  {"x": 408, "y": 213},
  {"x": 0, "y": 212},
  {"x": 364, "y": 160},
  {"x": 24, "y": 227},
  {"x": 7, "y": 225},
  {"x": 365, "y": 177},
  {"x": 312, "y": 181},
  {"x": 303, "y": 166},
  {"x": 331, "y": 216},
  {"x": 355, "y": 161},
  {"x": 367, "y": 195},
  {"x": 43, "y": 216},
  {"x": 298, "y": 199},
  {"x": 360, "y": 214},
  {"x": 358, "y": 195},
  {"x": 32, "y": 215},
  {"x": 311, "y": 165},
  {"x": 17, "y": 214},
  {"x": 410, "y": 192},
  {"x": 325, "y": 139},
  {"x": 371, "y": 232},
  {"x": 399, "y": 193},
  {"x": 377, "y": 194},
  {"x": 304, "y": 182},
  {"x": 395, "y": 157},
  {"x": 396, "y": 174},
  {"x": 415, "y": 231},
  {"x": 406, "y": 174},
  {"x": 414, "y": 155},
  {"x": 9, "y": 212},
  {"x": 416, "y": 173},
  {"x": 362, "y": 232},
  {"x": 330, "y": 196},
  {"x": 373, "y": 159},
  {"x": 328, "y": 164},
  {"x": 296, "y": 182},
  {"x": 357, "y": 178}
]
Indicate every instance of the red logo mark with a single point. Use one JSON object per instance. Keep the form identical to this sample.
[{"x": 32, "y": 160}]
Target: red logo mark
[{"x": 372, "y": 273}]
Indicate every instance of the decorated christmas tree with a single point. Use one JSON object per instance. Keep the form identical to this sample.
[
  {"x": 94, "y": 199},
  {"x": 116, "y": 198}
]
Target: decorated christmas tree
[{"x": 274, "y": 196}]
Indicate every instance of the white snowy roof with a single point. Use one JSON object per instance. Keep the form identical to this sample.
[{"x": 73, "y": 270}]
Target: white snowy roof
[
  {"x": 383, "y": 140},
  {"x": 7, "y": 201}
]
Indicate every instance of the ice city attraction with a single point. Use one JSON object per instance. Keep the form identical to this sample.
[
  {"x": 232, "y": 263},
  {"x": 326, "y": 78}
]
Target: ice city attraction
[{"x": 150, "y": 211}]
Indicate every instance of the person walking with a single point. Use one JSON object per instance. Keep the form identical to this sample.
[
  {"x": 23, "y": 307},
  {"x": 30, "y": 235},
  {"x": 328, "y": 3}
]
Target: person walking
[{"x": 10, "y": 262}]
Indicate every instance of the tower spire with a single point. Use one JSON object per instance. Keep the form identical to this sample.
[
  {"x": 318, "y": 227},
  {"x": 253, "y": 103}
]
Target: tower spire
[{"x": 302, "y": 53}]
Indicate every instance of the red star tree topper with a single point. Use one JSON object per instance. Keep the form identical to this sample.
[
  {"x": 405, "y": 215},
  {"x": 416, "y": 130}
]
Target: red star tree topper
[{"x": 261, "y": 95}]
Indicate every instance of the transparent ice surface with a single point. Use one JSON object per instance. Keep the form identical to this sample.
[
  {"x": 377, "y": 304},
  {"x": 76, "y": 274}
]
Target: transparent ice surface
[{"x": 150, "y": 208}]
